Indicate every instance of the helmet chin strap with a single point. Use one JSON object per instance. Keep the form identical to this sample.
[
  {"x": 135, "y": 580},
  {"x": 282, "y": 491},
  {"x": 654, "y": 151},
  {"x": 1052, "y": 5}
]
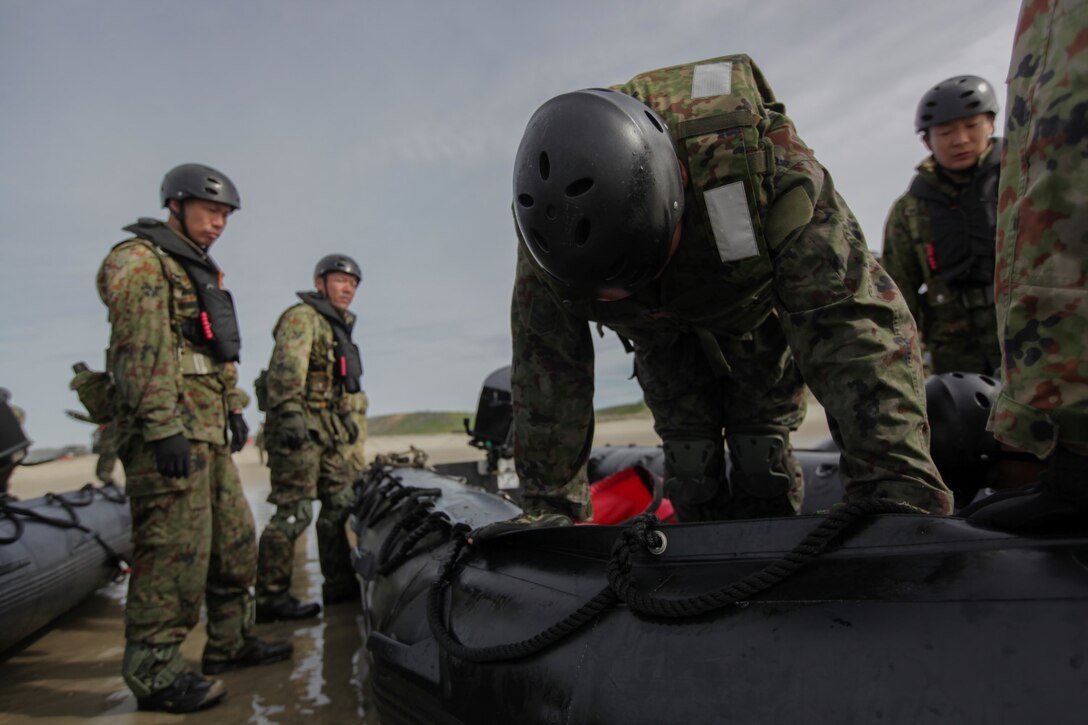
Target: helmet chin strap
[{"x": 180, "y": 215}]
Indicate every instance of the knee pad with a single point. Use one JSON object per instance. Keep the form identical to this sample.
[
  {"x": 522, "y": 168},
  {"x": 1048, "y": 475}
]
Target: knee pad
[
  {"x": 692, "y": 471},
  {"x": 293, "y": 518},
  {"x": 763, "y": 463}
]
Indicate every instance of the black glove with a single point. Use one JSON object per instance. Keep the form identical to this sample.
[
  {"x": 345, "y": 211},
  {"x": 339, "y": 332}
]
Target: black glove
[
  {"x": 350, "y": 426},
  {"x": 293, "y": 430},
  {"x": 239, "y": 431},
  {"x": 172, "y": 456}
]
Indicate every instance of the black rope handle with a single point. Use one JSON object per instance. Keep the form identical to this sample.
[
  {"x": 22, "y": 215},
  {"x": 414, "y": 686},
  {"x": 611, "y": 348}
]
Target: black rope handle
[
  {"x": 815, "y": 543},
  {"x": 435, "y": 522},
  {"x": 620, "y": 589},
  {"x": 516, "y": 650},
  {"x": 11, "y": 511},
  {"x": 420, "y": 503}
]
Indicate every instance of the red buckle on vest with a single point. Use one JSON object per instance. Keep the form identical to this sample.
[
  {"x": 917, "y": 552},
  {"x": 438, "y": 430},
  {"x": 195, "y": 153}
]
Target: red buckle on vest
[
  {"x": 931, "y": 256},
  {"x": 343, "y": 366},
  {"x": 207, "y": 325}
]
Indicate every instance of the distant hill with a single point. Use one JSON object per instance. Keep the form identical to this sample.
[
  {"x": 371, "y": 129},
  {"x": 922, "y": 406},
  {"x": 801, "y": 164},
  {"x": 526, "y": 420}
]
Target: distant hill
[
  {"x": 423, "y": 423},
  {"x": 431, "y": 422}
]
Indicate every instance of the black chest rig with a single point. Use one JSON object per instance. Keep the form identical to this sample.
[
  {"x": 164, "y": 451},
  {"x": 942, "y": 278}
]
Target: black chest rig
[
  {"x": 964, "y": 227},
  {"x": 349, "y": 365},
  {"x": 216, "y": 327}
]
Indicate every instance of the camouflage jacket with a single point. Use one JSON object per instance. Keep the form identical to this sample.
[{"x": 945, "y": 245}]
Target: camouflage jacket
[
  {"x": 946, "y": 314},
  {"x": 165, "y": 383},
  {"x": 301, "y": 374},
  {"x": 803, "y": 259},
  {"x": 1042, "y": 237}
]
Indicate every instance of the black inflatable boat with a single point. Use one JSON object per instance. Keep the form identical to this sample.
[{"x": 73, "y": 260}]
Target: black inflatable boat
[
  {"x": 57, "y": 550},
  {"x": 858, "y": 616}
]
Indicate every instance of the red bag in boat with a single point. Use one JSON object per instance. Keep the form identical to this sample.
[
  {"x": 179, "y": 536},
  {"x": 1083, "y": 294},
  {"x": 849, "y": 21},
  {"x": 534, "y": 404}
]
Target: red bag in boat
[{"x": 625, "y": 494}]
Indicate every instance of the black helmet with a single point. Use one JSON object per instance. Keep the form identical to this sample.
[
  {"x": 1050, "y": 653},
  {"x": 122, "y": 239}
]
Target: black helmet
[
  {"x": 957, "y": 97},
  {"x": 200, "y": 182},
  {"x": 597, "y": 191},
  {"x": 959, "y": 405},
  {"x": 338, "y": 263}
]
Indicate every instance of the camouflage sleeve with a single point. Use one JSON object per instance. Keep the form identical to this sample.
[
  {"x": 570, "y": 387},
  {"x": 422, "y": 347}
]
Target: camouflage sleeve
[
  {"x": 143, "y": 356},
  {"x": 290, "y": 361},
  {"x": 853, "y": 338},
  {"x": 898, "y": 257},
  {"x": 237, "y": 399},
  {"x": 552, "y": 389}
]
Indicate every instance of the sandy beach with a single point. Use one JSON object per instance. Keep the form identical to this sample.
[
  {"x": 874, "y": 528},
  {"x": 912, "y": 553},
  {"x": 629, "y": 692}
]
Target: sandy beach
[{"x": 70, "y": 672}]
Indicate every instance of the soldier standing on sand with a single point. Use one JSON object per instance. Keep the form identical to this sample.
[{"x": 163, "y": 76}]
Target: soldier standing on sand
[
  {"x": 939, "y": 238},
  {"x": 173, "y": 346},
  {"x": 1042, "y": 269},
  {"x": 314, "y": 372},
  {"x": 682, "y": 211}
]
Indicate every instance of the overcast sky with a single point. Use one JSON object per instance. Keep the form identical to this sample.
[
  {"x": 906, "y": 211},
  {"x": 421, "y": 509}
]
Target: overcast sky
[{"x": 387, "y": 131}]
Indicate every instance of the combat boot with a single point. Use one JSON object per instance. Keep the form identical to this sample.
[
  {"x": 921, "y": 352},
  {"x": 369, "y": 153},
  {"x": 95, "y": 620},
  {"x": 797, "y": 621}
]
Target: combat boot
[
  {"x": 254, "y": 652},
  {"x": 336, "y": 593},
  {"x": 286, "y": 607},
  {"x": 188, "y": 693},
  {"x": 1059, "y": 500}
]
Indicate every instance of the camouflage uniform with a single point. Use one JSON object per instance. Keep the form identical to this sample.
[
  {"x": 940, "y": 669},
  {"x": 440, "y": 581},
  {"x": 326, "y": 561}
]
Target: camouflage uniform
[
  {"x": 737, "y": 321},
  {"x": 958, "y": 323},
  {"x": 301, "y": 379},
  {"x": 106, "y": 448},
  {"x": 1042, "y": 240},
  {"x": 356, "y": 405},
  {"x": 193, "y": 537}
]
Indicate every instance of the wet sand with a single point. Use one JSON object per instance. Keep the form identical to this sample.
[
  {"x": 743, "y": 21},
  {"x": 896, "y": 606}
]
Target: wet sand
[{"x": 70, "y": 672}]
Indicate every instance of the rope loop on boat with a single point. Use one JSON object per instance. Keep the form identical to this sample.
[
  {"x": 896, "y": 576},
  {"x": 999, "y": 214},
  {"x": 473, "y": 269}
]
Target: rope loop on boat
[
  {"x": 514, "y": 650},
  {"x": 640, "y": 536},
  {"x": 643, "y": 534},
  {"x": 69, "y": 503}
]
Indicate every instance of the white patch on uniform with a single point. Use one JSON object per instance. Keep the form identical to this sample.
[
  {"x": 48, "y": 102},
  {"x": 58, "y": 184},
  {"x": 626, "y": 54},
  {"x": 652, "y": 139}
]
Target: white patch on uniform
[
  {"x": 712, "y": 79},
  {"x": 727, "y": 207},
  {"x": 507, "y": 476}
]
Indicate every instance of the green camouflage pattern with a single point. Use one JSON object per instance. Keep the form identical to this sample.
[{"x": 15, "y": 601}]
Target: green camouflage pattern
[
  {"x": 300, "y": 380},
  {"x": 106, "y": 448},
  {"x": 958, "y": 328},
  {"x": 164, "y": 384},
  {"x": 844, "y": 324},
  {"x": 191, "y": 545},
  {"x": 355, "y": 405},
  {"x": 1042, "y": 238},
  {"x": 194, "y": 538}
]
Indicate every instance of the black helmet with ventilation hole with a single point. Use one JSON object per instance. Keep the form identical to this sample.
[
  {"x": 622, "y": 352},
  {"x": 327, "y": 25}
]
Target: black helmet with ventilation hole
[{"x": 597, "y": 192}]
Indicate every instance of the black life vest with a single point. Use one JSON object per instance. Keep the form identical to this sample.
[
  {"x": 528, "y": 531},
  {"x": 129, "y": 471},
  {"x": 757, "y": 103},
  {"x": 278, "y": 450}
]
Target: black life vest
[
  {"x": 964, "y": 228},
  {"x": 217, "y": 325},
  {"x": 349, "y": 365}
]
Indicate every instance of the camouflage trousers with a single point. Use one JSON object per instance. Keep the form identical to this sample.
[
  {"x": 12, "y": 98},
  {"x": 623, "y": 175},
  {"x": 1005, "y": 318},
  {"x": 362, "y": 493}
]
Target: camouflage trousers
[
  {"x": 107, "y": 453},
  {"x": 697, "y": 408},
  {"x": 1042, "y": 241},
  {"x": 971, "y": 347},
  {"x": 299, "y": 477},
  {"x": 194, "y": 542}
]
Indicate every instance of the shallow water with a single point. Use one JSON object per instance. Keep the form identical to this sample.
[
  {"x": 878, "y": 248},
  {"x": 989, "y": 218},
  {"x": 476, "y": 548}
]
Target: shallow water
[{"x": 71, "y": 672}]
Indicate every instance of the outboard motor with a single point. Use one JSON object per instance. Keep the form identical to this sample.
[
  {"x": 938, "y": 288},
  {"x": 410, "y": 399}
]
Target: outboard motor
[{"x": 494, "y": 418}]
